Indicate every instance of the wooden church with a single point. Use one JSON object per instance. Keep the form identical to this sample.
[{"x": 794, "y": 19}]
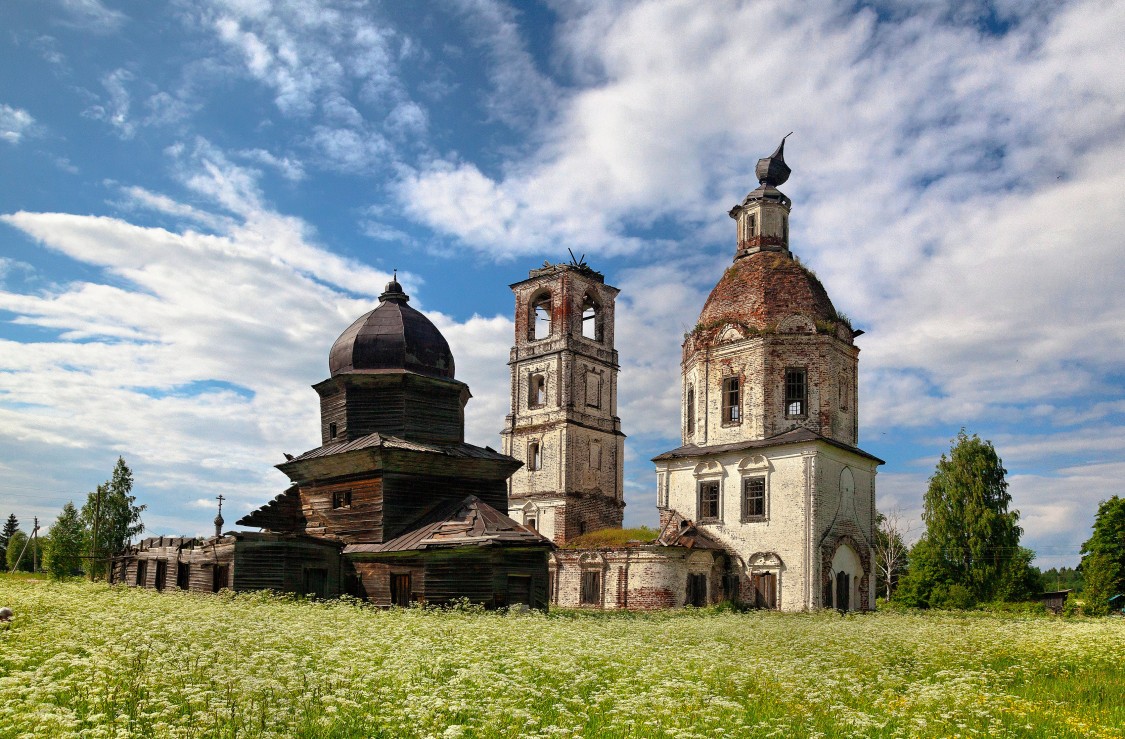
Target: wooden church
[{"x": 393, "y": 506}]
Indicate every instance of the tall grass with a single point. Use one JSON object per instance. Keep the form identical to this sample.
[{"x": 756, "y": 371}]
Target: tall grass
[{"x": 94, "y": 661}]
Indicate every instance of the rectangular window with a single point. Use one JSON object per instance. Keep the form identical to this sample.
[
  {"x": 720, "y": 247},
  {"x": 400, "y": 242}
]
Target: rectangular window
[
  {"x": 593, "y": 390},
  {"x": 400, "y": 590},
  {"x": 591, "y": 588},
  {"x": 690, "y": 411},
  {"x": 753, "y": 498},
  {"x": 796, "y": 393},
  {"x": 595, "y": 455},
  {"x": 534, "y": 456},
  {"x": 342, "y": 499},
  {"x": 732, "y": 400},
  {"x": 708, "y": 500},
  {"x": 537, "y": 391}
]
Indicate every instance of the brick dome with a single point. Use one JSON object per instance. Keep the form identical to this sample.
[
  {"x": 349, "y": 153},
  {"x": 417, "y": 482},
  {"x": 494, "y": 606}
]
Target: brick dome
[
  {"x": 758, "y": 293},
  {"x": 394, "y": 336}
]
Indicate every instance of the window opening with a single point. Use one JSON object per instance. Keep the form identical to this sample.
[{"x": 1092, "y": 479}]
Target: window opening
[
  {"x": 183, "y": 575},
  {"x": 142, "y": 573},
  {"x": 691, "y": 410},
  {"x": 534, "y": 456},
  {"x": 796, "y": 389},
  {"x": 591, "y": 323},
  {"x": 342, "y": 499},
  {"x": 591, "y": 588},
  {"x": 537, "y": 393},
  {"x": 708, "y": 500},
  {"x": 732, "y": 400},
  {"x": 400, "y": 590},
  {"x": 540, "y": 324},
  {"x": 531, "y": 524},
  {"x": 754, "y": 498},
  {"x": 331, "y": 431},
  {"x": 843, "y": 591}
]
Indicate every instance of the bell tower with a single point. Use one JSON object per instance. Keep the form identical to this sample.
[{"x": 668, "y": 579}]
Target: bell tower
[{"x": 564, "y": 425}]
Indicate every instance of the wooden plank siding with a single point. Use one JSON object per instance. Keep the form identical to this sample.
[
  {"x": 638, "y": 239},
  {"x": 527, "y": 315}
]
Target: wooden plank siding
[
  {"x": 408, "y": 497},
  {"x": 361, "y": 521}
]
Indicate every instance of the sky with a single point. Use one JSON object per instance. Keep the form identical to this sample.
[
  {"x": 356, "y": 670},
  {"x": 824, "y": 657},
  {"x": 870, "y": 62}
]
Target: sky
[{"x": 197, "y": 198}]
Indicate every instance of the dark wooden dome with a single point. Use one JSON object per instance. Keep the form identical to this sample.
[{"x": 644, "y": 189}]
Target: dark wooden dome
[{"x": 394, "y": 336}]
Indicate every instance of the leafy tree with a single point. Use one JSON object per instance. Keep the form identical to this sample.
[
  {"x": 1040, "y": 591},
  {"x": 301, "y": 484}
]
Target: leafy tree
[
  {"x": 11, "y": 526},
  {"x": 67, "y": 544},
  {"x": 973, "y": 535},
  {"x": 1103, "y": 556},
  {"x": 925, "y": 572},
  {"x": 1061, "y": 578},
  {"x": 16, "y": 543},
  {"x": 890, "y": 551},
  {"x": 118, "y": 517}
]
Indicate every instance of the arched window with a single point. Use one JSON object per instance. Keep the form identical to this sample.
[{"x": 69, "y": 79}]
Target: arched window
[
  {"x": 539, "y": 317},
  {"x": 690, "y": 411},
  {"x": 591, "y": 319},
  {"x": 534, "y": 456}
]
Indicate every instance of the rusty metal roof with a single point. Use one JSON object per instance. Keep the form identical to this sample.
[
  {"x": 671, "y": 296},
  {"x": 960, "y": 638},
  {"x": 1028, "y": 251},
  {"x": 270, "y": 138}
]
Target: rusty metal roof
[
  {"x": 461, "y": 523},
  {"x": 394, "y": 336},
  {"x": 680, "y": 532},
  {"x": 796, "y": 436},
  {"x": 393, "y": 442}
]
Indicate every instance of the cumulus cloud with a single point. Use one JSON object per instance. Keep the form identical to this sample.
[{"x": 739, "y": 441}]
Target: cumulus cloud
[{"x": 14, "y": 123}]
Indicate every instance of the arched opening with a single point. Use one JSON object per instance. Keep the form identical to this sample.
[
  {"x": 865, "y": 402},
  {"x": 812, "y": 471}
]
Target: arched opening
[
  {"x": 847, "y": 571},
  {"x": 537, "y": 391},
  {"x": 539, "y": 317},
  {"x": 690, "y": 410},
  {"x": 591, "y": 319},
  {"x": 534, "y": 456}
]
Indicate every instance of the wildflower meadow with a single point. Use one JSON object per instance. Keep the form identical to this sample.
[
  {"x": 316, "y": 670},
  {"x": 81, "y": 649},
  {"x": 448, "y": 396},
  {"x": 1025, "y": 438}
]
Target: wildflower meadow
[{"x": 90, "y": 660}]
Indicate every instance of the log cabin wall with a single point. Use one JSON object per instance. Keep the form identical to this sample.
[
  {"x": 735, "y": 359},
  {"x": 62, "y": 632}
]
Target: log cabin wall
[
  {"x": 350, "y": 510},
  {"x": 407, "y": 497},
  {"x": 403, "y": 405}
]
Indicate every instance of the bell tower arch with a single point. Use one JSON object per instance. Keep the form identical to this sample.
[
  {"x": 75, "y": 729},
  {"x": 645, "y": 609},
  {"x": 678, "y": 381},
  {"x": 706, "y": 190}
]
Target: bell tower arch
[{"x": 563, "y": 423}]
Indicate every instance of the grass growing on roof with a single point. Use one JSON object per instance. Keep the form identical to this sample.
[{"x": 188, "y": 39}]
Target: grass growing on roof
[
  {"x": 613, "y": 538},
  {"x": 95, "y": 661}
]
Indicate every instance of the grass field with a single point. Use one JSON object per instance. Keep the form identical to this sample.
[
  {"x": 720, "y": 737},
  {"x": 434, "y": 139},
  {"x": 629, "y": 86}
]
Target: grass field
[{"x": 94, "y": 661}]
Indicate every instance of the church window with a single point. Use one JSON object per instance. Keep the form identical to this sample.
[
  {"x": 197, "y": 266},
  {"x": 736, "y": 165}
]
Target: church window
[
  {"x": 331, "y": 431},
  {"x": 591, "y": 588},
  {"x": 751, "y": 226},
  {"x": 591, "y": 319},
  {"x": 595, "y": 455},
  {"x": 753, "y": 499},
  {"x": 537, "y": 391},
  {"x": 530, "y": 523},
  {"x": 796, "y": 393},
  {"x": 593, "y": 390},
  {"x": 690, "y": 414},
  {"x": 732, "y": 400},
  {"x": 342, "y": 499},
  {"x": 539, "y": 318},
  {"x": 708, "y": 500},
  {"x": 534, "y": 456},
  {"x": 400, "y": 590}
]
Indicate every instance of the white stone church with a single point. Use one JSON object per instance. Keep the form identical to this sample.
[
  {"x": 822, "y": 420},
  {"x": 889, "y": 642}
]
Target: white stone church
[{"x": 768, "y": 500}]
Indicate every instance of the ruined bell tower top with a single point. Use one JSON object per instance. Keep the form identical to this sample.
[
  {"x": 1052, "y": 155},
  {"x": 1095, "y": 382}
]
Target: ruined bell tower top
[{"x": 763, "y": 215}]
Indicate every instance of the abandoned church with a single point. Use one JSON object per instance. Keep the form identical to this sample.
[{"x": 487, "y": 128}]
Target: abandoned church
[{"x": 767, "y": 501}]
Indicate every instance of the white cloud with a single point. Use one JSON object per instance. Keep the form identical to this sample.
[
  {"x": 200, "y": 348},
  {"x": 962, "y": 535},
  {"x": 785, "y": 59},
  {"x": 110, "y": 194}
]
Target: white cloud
[
  {"x": 92, "y": 15},
  {"x": 14, "y": 123},
  {"x": 115, "y": 110},
  {"x": 290, "y": 169}
]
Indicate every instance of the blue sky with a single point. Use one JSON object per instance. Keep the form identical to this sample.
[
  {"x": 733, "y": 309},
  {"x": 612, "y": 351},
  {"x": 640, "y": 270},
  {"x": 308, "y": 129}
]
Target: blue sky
[{"x": 197, "y": 197}]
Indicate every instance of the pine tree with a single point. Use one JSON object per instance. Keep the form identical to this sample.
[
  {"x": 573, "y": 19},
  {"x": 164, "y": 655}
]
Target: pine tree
[
  {"x": 66, "y": 545},
  {"x": 113, "y": 508},
  {"x": 11, "y": 526},
  {"x": 968, "y": 524}
]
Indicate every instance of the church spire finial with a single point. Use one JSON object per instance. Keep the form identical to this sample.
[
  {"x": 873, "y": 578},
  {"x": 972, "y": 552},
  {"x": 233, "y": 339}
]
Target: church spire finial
[{"x": 772, "y": 171}]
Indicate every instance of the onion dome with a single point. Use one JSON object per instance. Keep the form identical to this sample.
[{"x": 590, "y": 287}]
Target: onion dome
[
  {"x": 394, "y": 336},
  {"x": 772, "y": 171},
  {"x": 761, "y": 293}
]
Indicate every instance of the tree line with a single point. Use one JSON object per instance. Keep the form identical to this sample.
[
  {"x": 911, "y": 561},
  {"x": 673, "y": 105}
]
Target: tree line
[
  {"x": 80, "y": 541},
  {"x": 970, "y": 552}
]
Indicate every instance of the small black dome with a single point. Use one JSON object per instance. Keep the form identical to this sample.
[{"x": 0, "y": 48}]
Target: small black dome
[{"x": 394, "y": 336}]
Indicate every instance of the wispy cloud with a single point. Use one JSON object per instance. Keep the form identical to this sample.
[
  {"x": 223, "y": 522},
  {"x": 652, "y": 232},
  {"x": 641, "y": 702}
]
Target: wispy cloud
[
  {"x": 114, "y": 109},
  {"x": 92, "y": 16},
  {"x": 14, "y": 123}
]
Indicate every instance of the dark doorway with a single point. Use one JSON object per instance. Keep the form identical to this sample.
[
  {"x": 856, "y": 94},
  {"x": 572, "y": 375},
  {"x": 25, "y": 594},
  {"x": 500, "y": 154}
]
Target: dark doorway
[
  {"x": 765, "y": 589},
  {"x": 161, "y": 574},
  {"x": 697, "y": 590},
  {"x": 183, "y": 575},
  {"x": 220, "y": 577},
  {"x": 142, "y": 573},
  {"x": 316, "y": 582},
  {"x": 843, "y": 591},
  {"x": 400, "y": 590},
  {"x": 519, "y": 590}
]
